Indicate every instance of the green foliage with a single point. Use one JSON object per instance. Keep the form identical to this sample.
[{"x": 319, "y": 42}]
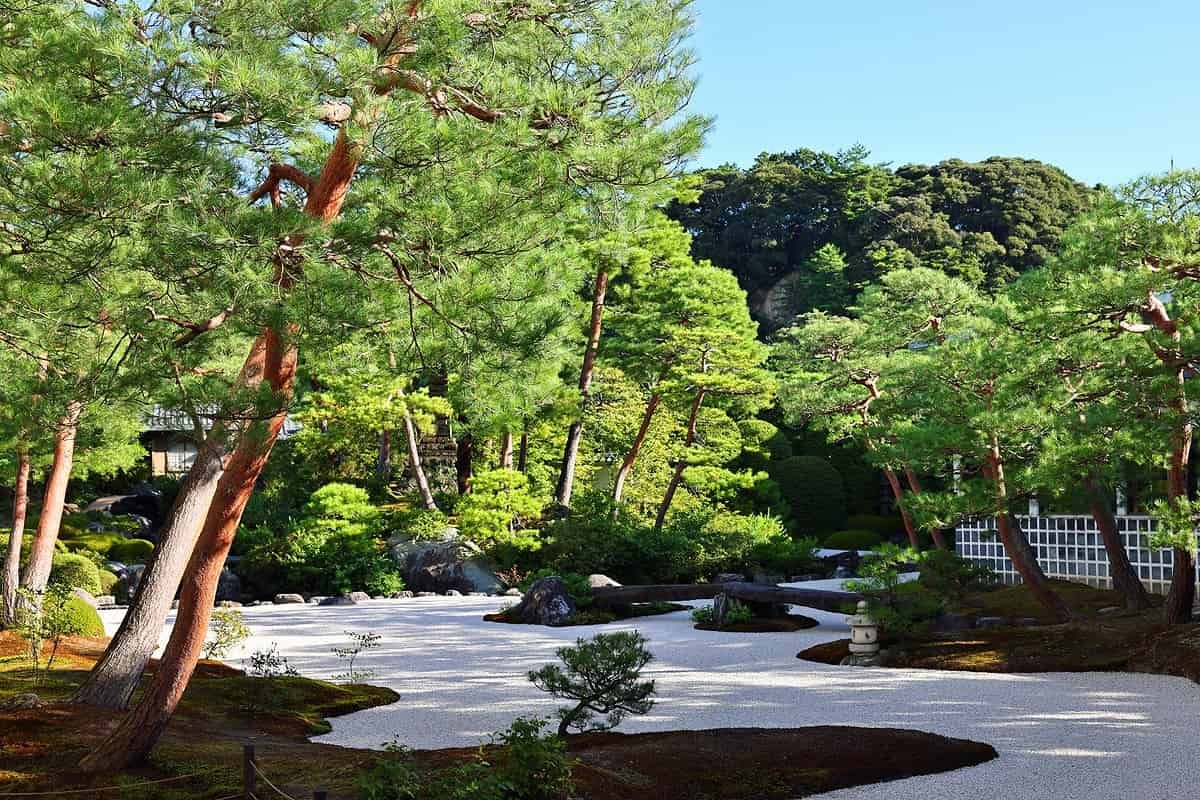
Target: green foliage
[
  {"x": 527, "y": 765},
  {"x": 852, "y": 540},
  {"x": 782, "y": 555},
  {"x": 499, "y": 510},
  {"x": 602, "y": 676},
  {"x": 421, "y": 524},
  {"x": 900, "y": 607},
  {"x": 884, "y": 527},
  {"x": 131, "y": 551},
  {"x": 227, "y": 630},
  {"x": 736, "y": 613},
  {"x": 333, "y": 548},
  {"x": 950, "y": 576},
  {"x": 814, "y": 490},
  {"x": 108, "y": 582},
  {"x": 1177, "y": 521},
  {"x": 987, "y": 221},
  {"x": 49, "y": 618},
  {"x": 75, "y": 571}
]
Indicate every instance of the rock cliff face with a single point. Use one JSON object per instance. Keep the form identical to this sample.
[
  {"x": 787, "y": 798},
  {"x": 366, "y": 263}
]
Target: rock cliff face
[{"x": 441, "y": 565}]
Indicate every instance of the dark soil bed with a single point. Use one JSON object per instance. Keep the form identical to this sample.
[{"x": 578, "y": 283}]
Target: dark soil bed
[
  {"x": 1130, "y": 644},
  {"x": 788, "y": 624},
  {"x": 597, "y": 616},
  {"x": 224, "y": 709},
  {"x": 759, "y": 763}
]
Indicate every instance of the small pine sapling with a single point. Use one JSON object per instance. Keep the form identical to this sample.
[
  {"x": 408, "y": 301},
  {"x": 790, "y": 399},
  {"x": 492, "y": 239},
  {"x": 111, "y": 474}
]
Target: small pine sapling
[
  {"x": 359, "y": 643},
  {"x": 602, "y": 675}
]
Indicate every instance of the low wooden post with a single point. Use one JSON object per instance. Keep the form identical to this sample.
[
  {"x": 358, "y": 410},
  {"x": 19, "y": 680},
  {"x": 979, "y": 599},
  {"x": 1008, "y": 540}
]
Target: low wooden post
[{"x": 249, "y": 776}]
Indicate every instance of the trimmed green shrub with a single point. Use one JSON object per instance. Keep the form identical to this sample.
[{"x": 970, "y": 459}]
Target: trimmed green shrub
[
  {"x": 852, "y": 540},
  {"x": 815, "y": 492},
  {"x": 421, "y": 524},
  {"x": 783, "y": 555},
  {"x": 131, "y": 551},
  {"x": 886, "y": 527},
  {"x": 499, "y": 510},
  {"x": 333, "y": 549},
  {"x": 75, "y": 572},
  {"x": 83, "y": 618},
  {"x": 108, "y": 582},
  {"x": 96, "y": 541}
]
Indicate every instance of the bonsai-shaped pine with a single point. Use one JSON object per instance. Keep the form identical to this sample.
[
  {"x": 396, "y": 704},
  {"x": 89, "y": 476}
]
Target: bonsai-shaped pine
[{"x": 602, "y": 675}]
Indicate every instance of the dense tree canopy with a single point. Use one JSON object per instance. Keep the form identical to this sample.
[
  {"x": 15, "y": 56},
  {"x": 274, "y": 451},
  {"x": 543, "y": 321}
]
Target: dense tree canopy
[{"x": 772, "y": 224}]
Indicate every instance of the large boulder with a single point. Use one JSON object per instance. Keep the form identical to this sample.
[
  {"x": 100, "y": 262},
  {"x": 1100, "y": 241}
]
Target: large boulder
[
  {"x": 440, "y": 565},
  {"x": 597, "y": 581},
  {"x": 546, "y": 603},
  {"x": 288, "y": 598}
]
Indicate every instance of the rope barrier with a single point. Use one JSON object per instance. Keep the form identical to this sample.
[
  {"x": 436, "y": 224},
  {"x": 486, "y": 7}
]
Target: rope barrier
[
  {"x": 267, "y": 781},
  {"x": 103, "y": 788}
]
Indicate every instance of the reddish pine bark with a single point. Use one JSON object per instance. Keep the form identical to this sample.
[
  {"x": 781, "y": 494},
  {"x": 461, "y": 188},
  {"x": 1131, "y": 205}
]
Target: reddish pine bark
[
  {"x": 1124, "y": 576},
  {"x": 464, "y": 467},
  {"x": 914, "y": 486},
  {"x": 523, "y": 451},
  {"x": 566, "y": 475},
  {"x": 12, "y": 558},
  {"x": 139, "y": 730},
  {"x": 630, "y": 457},
  {"x": 898, "y": 493},
  {"x": 41, "y": 552},
  {"x": 115, "y": 676},
  {"x": 1016, "y": 545},
  {"x": 1181, "y": 595},
  {"x": 680, "y": 465}
]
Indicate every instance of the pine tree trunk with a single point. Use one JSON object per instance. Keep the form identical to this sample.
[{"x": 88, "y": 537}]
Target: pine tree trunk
[
  {"x": 12, "y": 557},
  {"x": 566, "y": 475},
  {"x": 897, "y": 492},
  {"x": 1124, "y": 576},
  {"x": 116, "y": 675},
  {"x": 41, "y": 553},
  {"x": 414, "y": 461},
  {"x": 141, "y": 728},
  {"x": 463, "y": 463},
  {"x": 383, "y": 464},
  {"x": 506, "y": 450},
  {"x": 523, "y": 450},
  {"x": 1181, "y": 595},
  {"x": 630, "y": 457},
  {"x": 1016, "y": 544},
  {"x": 677, "y": 475},
  {"x": 914, "y": 486}
]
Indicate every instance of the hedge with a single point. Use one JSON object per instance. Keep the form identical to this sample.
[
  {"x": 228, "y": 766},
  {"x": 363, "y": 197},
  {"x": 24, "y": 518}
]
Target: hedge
[
  {"x": 85, "y": 619},
  {"x": 75, "y": 572},
  {"x": 852, "y": 540},
  {"x": 131, "y": 551}
]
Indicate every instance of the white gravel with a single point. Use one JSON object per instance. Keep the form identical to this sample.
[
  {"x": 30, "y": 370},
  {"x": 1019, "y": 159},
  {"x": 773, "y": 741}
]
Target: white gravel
[{"x": 1061, "y": 736}]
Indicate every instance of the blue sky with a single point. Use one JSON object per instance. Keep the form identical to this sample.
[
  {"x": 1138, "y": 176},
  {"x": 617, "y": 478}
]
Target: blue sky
[{"x": 1107, "y": 90}]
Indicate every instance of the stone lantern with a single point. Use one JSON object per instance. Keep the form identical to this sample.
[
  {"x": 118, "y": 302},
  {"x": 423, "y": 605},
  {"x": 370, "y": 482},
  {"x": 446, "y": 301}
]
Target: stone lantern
[{"x": 864, "y": 637}]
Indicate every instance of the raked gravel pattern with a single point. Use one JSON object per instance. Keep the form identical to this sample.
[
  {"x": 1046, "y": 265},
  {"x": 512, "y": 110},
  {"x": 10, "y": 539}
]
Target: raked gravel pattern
[{"x": 1061, "y": 736}]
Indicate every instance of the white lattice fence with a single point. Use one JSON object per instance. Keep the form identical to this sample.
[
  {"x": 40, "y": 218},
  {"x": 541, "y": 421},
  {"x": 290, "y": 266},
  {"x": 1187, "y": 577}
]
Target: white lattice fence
[{"x": 1069, "y": 546}]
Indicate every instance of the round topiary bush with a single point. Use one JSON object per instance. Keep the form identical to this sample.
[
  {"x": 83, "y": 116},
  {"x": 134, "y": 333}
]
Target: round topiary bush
[
  {"x": 886, "y": 527},
  {"x": 815, "y": 492},
  {"x": 108, "y": 582},
  {"x": 852, "y": 540},
  {"x": 131, "y": 551},
  {"x": 75, "y": 572},
  {"x": 84, "y": 618}
]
